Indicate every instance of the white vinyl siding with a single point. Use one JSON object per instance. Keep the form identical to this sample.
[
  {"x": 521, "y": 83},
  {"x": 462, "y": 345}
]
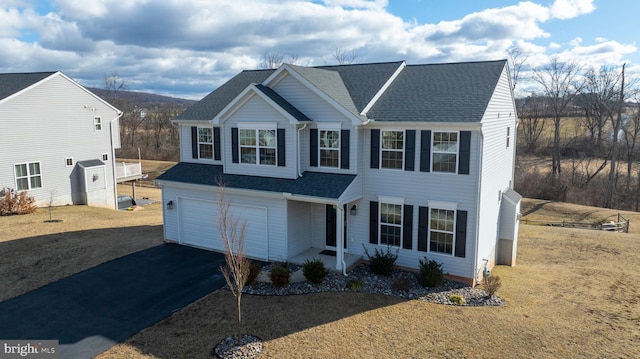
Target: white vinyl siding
[
  {"x": 50, "y": 114},
  {"x": 299, "y": 221}
]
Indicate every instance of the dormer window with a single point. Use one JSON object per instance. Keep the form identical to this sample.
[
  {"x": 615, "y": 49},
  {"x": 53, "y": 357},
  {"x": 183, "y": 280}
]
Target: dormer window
[
  {"x": 258, "y": 146},
  {"x": 205, "y": 142},
  {"x": 329, "y": 148}
]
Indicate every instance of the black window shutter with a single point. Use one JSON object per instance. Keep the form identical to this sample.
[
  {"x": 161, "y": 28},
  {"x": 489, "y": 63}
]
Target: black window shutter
[
  {"x": 465, "y": 152},
  {"x": 330, "y": 225},
  {"x": 410, "y": 150},
  {"x": 373, "y": 222},
  {"x": 313, "y": 147},
  {"x": 461, "y": 233},
  {"x": 375, "y": 148},
  {"x": 344, "y": 149},
  {"x": 407, "y": 227},
  {"x": 217, "y": 155},
  {"x": 425, "y": 151},
  {"x": 194, "y": 142},
  {"x": 282, "y": 153},
  {"x": 423, "y": 228},
  {"x": 234, "y": 145}
]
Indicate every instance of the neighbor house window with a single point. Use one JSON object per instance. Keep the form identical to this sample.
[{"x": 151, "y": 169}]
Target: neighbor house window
[
  {"x": 68, "y": 161},
  {"x": 329, "y": 148},
  {"x": 441, "y": 230},
  {"x": 258, "y": 146},
  {"x": 391, "y": 224},
  {"x": 28, "y": 176},
  {"x": 205, "y": 142},
  {"x": 105, "y": 156},
  {"x": 445, "y": 151},
  {"x": 97, "y": 123},
  {"x": 392, "y": 149}
]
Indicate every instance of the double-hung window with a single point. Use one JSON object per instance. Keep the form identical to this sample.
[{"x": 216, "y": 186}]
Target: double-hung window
[
  {"x": 329, "y": 148},
  {"x": 441, "y": 230},
  {"x": 258, "y": 146},
  {"x": 445, "y": 152},
  {"x": 205, "y": 142},
  {"x": 391, "y": 224},
  {"x": 28, "y": 176},
  {"x": 392, "y": 148},
  {"x": 97, "y": 123}
]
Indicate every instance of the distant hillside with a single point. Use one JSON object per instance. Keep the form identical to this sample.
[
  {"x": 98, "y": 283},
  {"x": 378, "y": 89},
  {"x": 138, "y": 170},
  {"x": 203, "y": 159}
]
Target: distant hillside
[{"x": 143, "y": 99}]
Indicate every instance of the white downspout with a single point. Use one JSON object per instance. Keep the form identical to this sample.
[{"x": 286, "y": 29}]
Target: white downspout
[{"x": 299, "y": 156}]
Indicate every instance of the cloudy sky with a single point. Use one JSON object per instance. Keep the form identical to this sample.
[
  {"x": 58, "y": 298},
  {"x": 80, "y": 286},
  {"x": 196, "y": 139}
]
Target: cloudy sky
[{"x": 186, "y": 48}]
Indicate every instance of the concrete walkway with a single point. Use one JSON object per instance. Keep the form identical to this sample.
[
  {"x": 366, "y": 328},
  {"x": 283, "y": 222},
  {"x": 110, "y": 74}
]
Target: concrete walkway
[{"x": 93, "y": 310}]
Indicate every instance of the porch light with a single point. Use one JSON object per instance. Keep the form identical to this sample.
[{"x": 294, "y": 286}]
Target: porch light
[
  {"x": 354, "y": 210},
  {"x": 170, "y": 205}
]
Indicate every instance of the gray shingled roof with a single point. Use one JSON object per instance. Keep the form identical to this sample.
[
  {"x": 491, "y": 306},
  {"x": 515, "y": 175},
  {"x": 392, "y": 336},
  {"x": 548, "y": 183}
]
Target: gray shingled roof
[
  {"x": 325, "y": 185},
  {"x": 90, "y": 163},
  {"x": 329, "y": 82},
  {"x": 363, "y": 81},
  {"x": 456, "y": 92},
  {"x": 284, "y": 104},
  {"x": 12, "y": 83},
  {"x": 207, "y": 108}
]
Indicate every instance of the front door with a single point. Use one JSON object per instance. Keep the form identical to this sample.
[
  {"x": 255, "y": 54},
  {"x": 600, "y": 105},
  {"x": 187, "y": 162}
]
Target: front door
[{"x": 330, "y": 215}]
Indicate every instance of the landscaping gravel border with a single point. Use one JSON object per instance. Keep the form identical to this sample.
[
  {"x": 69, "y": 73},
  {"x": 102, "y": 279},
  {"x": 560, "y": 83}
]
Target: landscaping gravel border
[{"x": 375, "y": 284}]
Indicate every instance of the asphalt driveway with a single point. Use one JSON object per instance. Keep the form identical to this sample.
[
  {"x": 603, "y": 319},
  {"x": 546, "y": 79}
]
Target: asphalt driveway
[{"x": 93, "y": 310}]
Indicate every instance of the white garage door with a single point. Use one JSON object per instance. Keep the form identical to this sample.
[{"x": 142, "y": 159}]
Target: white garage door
[{"x": 198, "y": 226}]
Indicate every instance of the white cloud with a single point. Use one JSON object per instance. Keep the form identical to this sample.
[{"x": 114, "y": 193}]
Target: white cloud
[
  {"x": 170, "y": 44},
  {"x": 567, "y": 9}
]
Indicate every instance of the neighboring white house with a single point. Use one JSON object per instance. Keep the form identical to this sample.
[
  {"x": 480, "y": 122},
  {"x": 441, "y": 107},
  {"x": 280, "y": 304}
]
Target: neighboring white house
[
  {"x": 58, "y": 140},
  {"x": 336, "y": 159}
]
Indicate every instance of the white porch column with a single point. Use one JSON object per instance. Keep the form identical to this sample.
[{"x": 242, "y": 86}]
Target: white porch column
[{"x": 339, "y": 236}]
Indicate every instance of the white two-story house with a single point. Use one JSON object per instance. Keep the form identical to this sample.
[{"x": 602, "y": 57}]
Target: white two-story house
[
  {"x": 329, "y": 161},
  {"x": 58, "y": 141}
]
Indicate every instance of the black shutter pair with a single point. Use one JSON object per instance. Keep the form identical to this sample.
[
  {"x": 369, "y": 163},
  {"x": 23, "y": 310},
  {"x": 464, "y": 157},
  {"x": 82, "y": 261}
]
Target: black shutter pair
[
  {"x": 407, "y": 225},
  {"x": 217, "y": 155},
  {"x": 344, "y": 148},
  {"x": 461, "y": 231},
  {"x": 281, "y": 148},
  {"x": 463, "y": 160},
  {"x": 409, "y": 149}
]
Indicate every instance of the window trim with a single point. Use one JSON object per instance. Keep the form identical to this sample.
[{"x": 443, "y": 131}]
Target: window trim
[
  {"x": 444, "y": 206},
  {"x": 404, "y": 138},
  {"x": 257, "y": 146},
  {"x": 395, "y": 201},
  {"x": 337, "y": 149},
  {"x": 29, "y": 176},
  {"x": 68, "y": 162},
  {"x": 97, "y": 123},
  {"x": 434, "y": 151},
  {"x": 205, "y": 143}
]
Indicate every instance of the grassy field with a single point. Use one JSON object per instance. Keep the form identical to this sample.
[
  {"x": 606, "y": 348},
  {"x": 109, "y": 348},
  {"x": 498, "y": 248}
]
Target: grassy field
[{"x": 574, "y": 293}]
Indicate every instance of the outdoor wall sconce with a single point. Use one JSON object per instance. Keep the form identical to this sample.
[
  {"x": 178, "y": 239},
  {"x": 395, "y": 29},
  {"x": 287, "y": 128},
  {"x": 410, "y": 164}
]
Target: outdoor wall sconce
[
  {"x": 354, "y": 210},
  {"x": 95, "y": 177},
  {"x": 170, "y": 205}
]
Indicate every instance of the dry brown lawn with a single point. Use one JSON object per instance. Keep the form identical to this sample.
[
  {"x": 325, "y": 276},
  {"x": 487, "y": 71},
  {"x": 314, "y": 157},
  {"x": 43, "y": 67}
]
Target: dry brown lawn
[
  {"x": 34, "y": 252},
  {"x": 574, "y": 293}
]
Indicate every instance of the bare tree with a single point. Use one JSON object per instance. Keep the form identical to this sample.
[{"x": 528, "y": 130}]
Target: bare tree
[
  {"x": 237, "y": 266},
  {"x": 344, "y": 57},
  {"x": 531, "y": 114},
  {"x": 113, "y": 84},
  {"x": 560, "y": 84},
  {"x": 599, "y": 100},
  {"x": 274, "y": 59},
  {"x": 631, "y": 131},
  {"x": 616, "y": 125},
  {"x": 517, "y": 60}
]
